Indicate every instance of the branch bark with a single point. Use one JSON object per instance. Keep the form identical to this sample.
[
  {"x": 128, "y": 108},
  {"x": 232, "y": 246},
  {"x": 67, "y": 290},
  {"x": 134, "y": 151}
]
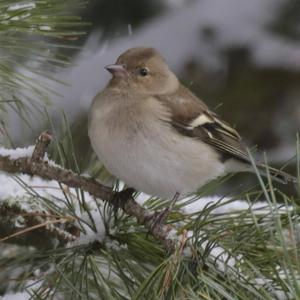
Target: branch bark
[
  {"x": 36, "y": 166},
  {"x": 36, "y": 229},
  {"x": 42, "y": 143}
]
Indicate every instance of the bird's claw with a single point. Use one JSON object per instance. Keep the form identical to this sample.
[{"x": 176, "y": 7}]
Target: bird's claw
[
  {"x": 158, "y": 218},
  {"x": 120, "y": 198}
]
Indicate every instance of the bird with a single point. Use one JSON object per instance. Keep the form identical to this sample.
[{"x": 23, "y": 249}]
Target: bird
[{"x": 155, "y": 135}]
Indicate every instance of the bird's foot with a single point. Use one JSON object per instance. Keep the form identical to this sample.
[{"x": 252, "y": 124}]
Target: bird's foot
[
  {"x": 119, "y": 199},
  {"x": 158, "y": 218}
]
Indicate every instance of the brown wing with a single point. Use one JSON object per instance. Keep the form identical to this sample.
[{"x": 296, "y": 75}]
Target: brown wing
[{"x": 191, "y": 117}]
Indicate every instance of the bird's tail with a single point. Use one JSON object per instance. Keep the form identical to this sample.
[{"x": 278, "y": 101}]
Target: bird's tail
[{"x": 276, "y": 174}]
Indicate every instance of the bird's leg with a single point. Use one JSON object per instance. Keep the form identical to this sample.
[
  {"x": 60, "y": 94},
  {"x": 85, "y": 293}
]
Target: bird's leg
[
  {"x": 159, "y": 218},
  {"x": 120, "y": 198}
]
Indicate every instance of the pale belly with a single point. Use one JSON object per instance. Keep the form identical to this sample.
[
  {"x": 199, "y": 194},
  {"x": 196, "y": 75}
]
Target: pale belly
[{"x": 155, "y": 163}]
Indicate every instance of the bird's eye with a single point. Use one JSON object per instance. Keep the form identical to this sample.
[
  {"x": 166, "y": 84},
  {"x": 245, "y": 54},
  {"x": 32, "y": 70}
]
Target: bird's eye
[{"x": 144, "y": 71}]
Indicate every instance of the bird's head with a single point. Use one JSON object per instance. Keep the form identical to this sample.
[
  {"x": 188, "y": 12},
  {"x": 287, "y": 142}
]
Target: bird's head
[{"x": 144, "y": 71}]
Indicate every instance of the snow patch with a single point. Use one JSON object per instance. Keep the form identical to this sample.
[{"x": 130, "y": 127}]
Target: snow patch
[
  {"x": 45, "y": 28},
  {"x": 96, "y": 230},
  {"x": 16, "y": 296},
  {"x": 222, "y": 205},
  {"x": 17, "y": 153},
  {"x": 18, "y": 6}
]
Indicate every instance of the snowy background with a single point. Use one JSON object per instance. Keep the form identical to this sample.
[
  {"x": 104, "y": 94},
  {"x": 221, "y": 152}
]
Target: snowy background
[{"x": 241, "y": 57}]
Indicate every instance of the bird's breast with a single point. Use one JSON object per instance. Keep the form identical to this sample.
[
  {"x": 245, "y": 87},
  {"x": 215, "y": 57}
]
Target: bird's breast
[{"x": 146, "y": 153}]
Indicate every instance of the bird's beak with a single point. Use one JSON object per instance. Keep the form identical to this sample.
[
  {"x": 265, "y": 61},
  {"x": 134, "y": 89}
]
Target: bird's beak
[{"x": 117, "y": 70}]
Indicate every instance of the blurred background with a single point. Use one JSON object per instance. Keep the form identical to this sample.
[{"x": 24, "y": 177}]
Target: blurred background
[{"x": 241, "y": 57}]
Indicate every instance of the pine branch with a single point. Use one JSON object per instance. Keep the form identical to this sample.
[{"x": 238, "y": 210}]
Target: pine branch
[
  {"x": 37, "y": 40},
  {"x": 41, "y": 145},
  {"x": 34, "y": 228},
  {"x": 124, "y": 200}
]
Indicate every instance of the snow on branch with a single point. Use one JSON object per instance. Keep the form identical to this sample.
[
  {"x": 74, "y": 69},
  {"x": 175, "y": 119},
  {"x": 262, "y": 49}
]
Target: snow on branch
[{"x": 33, "y": 163}]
